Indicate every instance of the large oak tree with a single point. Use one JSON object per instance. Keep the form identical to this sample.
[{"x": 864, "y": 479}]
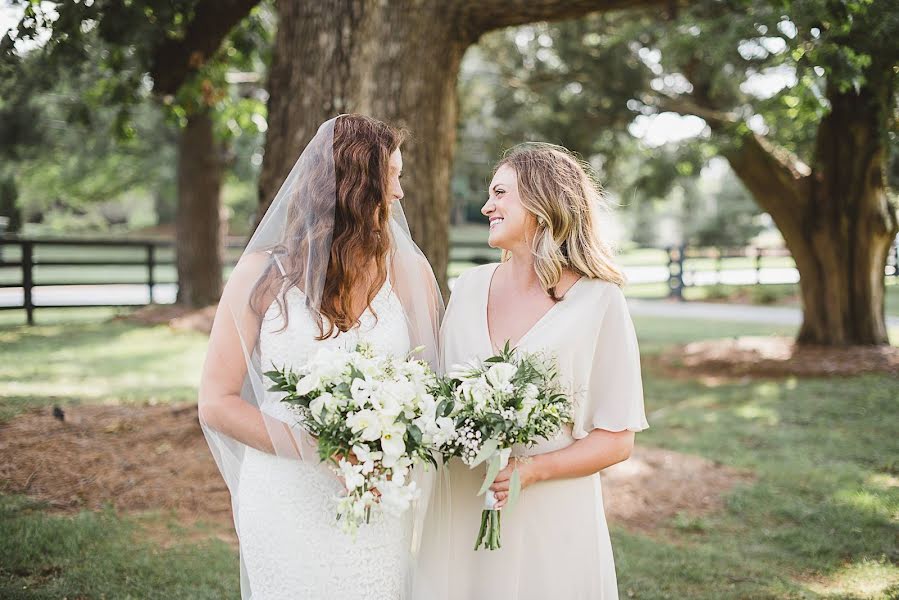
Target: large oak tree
[{"x": 397, "y": 61}]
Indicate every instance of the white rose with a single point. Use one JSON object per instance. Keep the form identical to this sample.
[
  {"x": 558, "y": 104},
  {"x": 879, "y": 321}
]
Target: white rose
[
  {"x": 500, "y": 374},
  {"x": 366, "y": 422},
  {"x": 446, "y": 429},
  {"x": 480, "y": 394},
  {"x": 360, "y": 390},
  {"x": 308, "y": 383}
]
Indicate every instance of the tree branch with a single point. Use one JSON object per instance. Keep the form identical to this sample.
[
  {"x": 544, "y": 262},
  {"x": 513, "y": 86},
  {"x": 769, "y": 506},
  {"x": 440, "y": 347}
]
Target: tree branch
[
  {"x": 772, "y": 173},
  {"x": 487, "y": 15},
  {"x": 176, "y": 59}
]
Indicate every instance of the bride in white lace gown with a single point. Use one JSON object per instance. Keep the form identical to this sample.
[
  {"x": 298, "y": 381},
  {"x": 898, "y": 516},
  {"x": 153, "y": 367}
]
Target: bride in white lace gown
[
  {"x": 331, "y": 265},
  {"x": 286, "y": 513}
]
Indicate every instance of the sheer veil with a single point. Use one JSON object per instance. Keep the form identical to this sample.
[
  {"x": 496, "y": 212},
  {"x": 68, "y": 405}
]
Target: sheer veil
[{"x": 236, "y": 410}]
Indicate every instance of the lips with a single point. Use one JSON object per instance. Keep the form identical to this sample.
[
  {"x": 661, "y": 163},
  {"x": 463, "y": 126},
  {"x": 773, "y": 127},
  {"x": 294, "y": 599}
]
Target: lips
[{"x": 495, "y": 221}]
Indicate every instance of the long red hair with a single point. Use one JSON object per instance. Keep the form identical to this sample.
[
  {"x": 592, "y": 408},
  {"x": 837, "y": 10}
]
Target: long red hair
[{"x": 360, "y": 232}]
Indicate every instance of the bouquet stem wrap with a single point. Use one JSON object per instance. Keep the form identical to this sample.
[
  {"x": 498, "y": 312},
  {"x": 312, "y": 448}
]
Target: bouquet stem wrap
[{"x": 489, "y": 533}]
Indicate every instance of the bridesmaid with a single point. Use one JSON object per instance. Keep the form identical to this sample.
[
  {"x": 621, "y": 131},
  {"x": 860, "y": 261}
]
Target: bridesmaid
[{"x": 557, "y": 291}]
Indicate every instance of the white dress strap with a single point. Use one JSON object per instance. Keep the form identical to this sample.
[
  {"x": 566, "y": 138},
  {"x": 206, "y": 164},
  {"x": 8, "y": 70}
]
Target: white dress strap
[{"x": 278, "y": 262}]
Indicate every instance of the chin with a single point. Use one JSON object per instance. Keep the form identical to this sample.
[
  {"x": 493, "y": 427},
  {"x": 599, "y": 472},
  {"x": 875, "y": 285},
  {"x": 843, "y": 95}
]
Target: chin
[{"x": 496, "y": 241}]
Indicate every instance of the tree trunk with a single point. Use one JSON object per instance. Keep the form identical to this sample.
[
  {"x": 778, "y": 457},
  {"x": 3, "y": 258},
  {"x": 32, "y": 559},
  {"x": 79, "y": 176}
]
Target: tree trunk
[
  {"x": 397, "y": 61},
  {"x": 835, "y": 217},
  {"x": 849, "y": 223},
  {"x": 198, "y": 233}
]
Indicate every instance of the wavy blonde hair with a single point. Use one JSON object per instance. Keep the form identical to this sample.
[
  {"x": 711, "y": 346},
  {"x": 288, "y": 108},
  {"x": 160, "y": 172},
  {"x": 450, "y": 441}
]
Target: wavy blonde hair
[{"x": 559, "y": 190}]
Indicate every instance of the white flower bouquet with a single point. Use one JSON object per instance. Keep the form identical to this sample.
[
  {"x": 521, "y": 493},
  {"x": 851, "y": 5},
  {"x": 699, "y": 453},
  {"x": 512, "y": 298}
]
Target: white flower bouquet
[
  {"x": 511, "y": 398},
  {"x": 374, "y": 417}
]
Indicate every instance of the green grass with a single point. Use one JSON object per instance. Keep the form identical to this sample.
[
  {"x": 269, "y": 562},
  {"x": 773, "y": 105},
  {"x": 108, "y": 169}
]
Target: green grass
[
  {"x": 103, "y": 555},
  {"x": 823, "y": 506},
  {"x": 817, "y": 521},
  {"x": 91, "y": 361}
]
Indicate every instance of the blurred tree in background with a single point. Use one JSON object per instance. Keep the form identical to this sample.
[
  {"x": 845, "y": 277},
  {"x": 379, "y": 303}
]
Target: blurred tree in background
[
  {"x": 106, "y": 67},
  {"x": 799, "y": 97}
]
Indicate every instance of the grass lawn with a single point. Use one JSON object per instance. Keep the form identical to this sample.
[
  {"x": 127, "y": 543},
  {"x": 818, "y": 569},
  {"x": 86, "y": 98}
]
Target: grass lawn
[
  {"x": 104, "y": 555},
  {"x": 818, "y": 521},
  {"x": 87, "y": 360}
]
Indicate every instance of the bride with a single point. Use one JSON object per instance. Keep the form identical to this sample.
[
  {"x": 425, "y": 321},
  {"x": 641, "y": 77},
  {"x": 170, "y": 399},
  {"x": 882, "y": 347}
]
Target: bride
[{"x": 331, "y": 264}]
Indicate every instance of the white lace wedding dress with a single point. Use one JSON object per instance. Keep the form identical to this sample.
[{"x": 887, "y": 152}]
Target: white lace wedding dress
[{"x": 290, "y": 544}]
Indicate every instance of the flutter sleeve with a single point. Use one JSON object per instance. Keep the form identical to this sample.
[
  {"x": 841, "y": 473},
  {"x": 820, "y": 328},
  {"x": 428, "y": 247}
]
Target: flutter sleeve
[{"x": 613, "y": 398}]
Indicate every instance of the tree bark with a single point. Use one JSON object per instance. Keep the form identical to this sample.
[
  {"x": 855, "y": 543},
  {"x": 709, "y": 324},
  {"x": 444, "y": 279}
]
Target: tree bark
[
  {"x": 835, "y": 216},
  {"x": 198, "y": 232},
  {"x": 397, "y": 61}
]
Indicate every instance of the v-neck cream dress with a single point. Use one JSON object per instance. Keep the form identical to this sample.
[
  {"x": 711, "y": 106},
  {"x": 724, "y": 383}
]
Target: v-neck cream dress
[{"x": 555, "y": 542}]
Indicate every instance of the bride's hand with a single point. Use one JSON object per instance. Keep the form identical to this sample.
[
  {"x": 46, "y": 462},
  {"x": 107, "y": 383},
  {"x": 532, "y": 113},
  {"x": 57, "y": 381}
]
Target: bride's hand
[{"x": 527, "y": 473}]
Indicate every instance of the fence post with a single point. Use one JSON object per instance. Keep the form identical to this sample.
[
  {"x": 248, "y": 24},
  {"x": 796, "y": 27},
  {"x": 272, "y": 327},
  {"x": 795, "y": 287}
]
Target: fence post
[
  {"x": 676, "y": 272},
  {"x": 758, "y": 265},
  {"x": 719, "y": 264},
  {"x": 28, "y": 280},
  {"x": 151, "y": 262},
  {"x": 896, "y": 258}
]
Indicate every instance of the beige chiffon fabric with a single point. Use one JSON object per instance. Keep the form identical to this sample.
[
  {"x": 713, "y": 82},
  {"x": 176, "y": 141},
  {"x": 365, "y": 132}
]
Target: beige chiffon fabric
[{"x": 555, "y": 542}]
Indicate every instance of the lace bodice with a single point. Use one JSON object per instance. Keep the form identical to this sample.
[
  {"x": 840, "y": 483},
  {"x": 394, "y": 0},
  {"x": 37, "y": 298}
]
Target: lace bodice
[{"x": 382, "y": 325}]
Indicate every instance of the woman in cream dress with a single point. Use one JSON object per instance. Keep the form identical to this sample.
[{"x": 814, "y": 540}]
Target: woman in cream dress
[{"x": 558, "y": 292}]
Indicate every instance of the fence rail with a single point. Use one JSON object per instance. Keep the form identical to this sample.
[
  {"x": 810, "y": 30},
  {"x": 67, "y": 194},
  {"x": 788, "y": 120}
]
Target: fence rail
[{"x": 146, "y": 257}]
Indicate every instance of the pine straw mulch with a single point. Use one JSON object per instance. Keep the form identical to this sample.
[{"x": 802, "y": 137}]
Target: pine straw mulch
[
  {"x": 138, "y": 459},
  {"x": 773, "y": 356},
  {"x": 176, "y": 316}
]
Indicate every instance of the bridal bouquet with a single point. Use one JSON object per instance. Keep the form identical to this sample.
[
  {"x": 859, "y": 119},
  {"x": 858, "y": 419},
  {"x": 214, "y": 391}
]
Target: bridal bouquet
[
  {"x": 511, "y": 398},
  {"x": 374, "y": 417}
]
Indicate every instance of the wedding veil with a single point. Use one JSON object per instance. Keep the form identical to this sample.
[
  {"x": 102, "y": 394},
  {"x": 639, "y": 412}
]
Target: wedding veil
[{"x": 236, "y": 410}]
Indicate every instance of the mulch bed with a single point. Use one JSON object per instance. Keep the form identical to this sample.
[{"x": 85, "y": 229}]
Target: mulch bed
[
  {"x": 150, "y": 458},
  {"x": 175, "y": 316},
  {"x": 774, "y": 356}
]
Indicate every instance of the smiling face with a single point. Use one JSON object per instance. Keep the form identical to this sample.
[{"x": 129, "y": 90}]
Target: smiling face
[
  {"x": 511, "y": 224},
  {"x": 395, "y": 165}
]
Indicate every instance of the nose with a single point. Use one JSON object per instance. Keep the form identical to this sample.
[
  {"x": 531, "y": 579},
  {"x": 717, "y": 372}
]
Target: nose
[{"x": 487, "y": 208}]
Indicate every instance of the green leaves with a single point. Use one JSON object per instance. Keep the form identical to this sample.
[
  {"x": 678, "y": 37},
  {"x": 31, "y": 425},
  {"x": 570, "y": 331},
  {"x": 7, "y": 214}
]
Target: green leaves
[
  {"x": 445, "y": 408},
  {"x": 488, "y": 449},
  {"x": 514, "y": 489},
  {"x": 493, "y": 469},
  {"x": 414, "y": 433}
]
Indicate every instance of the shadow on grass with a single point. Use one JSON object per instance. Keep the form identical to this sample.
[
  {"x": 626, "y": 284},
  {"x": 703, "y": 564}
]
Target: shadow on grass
[{"x": 824, "y": 453}]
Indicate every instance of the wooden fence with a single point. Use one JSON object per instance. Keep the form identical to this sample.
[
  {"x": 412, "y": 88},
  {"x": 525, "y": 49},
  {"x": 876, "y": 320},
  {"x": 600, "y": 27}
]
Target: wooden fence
[{"x": 25, "y": 256}]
